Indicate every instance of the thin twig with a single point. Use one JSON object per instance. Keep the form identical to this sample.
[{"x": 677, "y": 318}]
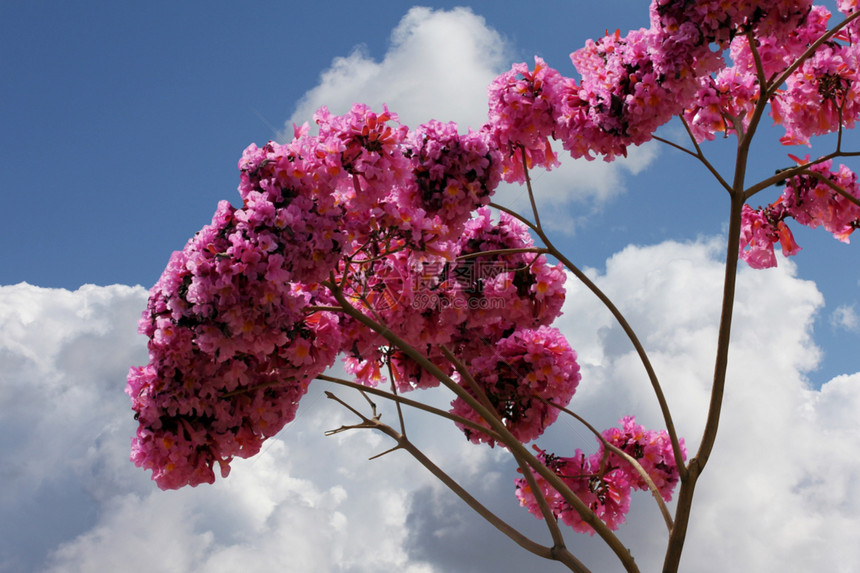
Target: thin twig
[
  {"x": 411, "y": 403},
  {"x": 675, "y": 145},
  {"x": 396, "y": 403},
  {"x": 318, "y": 308},
  {"x": 529, "y": 187},
  {"x": 628, "y": 330},
  {"x": 515, "y": 215},
  {"x": 637, "y": 345},
  {"x": 700, "y": 155}
]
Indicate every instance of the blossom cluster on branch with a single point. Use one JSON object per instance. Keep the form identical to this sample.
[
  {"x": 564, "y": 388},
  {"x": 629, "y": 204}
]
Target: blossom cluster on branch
[
  {"x": 818, "y": 197},
  {"x": 369, "y": 222},
  {"x": 605, "y": 480},
  {"x": 241, "y": 321},
  {"x": 631, "y": 85}
]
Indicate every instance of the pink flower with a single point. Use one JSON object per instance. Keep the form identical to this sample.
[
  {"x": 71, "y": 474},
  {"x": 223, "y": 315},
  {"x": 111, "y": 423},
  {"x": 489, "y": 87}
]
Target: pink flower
[
  {"x": 730, "y": 95},
  {"x": 604, "y": 480},
  {"x": 630, "y": 86},
  {"x": 758, "y": 235},
  {"x": 822, "y": 95}
]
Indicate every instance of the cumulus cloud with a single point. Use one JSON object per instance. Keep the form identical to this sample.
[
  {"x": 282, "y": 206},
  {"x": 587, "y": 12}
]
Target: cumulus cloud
[
  {"x": 438, "y": 66},
  {"x": 72, "y": 501},
  {"x": 60, "y": 355},
  {"x": 780, "y": 491}
]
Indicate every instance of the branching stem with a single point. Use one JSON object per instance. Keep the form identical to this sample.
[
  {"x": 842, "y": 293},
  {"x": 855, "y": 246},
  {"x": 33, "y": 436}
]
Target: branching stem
[
  {"x": 403, "y": 443},
  {"x": 508, "y": 439}
]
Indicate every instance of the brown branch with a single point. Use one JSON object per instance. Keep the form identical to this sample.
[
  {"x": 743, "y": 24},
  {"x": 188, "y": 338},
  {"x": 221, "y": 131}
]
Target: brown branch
[
  {"x": 637, "y": 345},
  {"x": 537, "y": 250},
  {"x": 700, "y": 155},
  {"x": 515, "y": 215},
  {"x": 411, "y": 403},
  {"x": 675, "y": 145},
  {"x": 549, "y": 517},
  {"x": 529, "y": 187},
  {"x": 836, "y": 188}
]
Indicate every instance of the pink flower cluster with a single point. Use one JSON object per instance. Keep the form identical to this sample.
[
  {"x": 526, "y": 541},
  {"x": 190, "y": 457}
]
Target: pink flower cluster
[
  {"x": 517, "y": 374},
  {"x": 717, "y": 21},
  {"x": 630, "y": 85},
  {"x": 523, "y": 117},
  {"x": 239, "y": 323},
  {"x": 811, "y": 202},
  {"x": 722, "y": 101},
  {"x": 624, "y": 95},
  {"x": 760, "y": 231},
  {"x": 457, "y": 299},
  {"x": 653, "y": 451},
  {"x": 604, "y": 481},
  {"x": 230, "y": 350},
  {"x": 453, "y": 175},
  {"x": 820, "y": 96}
]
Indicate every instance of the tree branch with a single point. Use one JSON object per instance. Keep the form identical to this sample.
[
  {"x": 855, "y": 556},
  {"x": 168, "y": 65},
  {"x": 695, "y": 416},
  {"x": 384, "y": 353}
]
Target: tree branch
[
  {"x": 411, "y": 403},
  {"x": 807, "y": 54},
  {"x": 549, "y": 517},
  {"x": 508, "y": 439},
  {"x": 504, "y": 527}
]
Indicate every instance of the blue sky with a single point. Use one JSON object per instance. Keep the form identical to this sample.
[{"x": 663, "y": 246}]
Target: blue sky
[{"x": 121, "y": 127}]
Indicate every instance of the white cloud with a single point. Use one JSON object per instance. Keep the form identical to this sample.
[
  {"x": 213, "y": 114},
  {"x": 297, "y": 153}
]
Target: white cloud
[
  {"x": 845, "y": 318},
  {"x": 437, "y": 67},
  {"x": 780, "y": 491},
  {"x": 65, "y": 428},
  {"x": 72, "y": 501}
]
